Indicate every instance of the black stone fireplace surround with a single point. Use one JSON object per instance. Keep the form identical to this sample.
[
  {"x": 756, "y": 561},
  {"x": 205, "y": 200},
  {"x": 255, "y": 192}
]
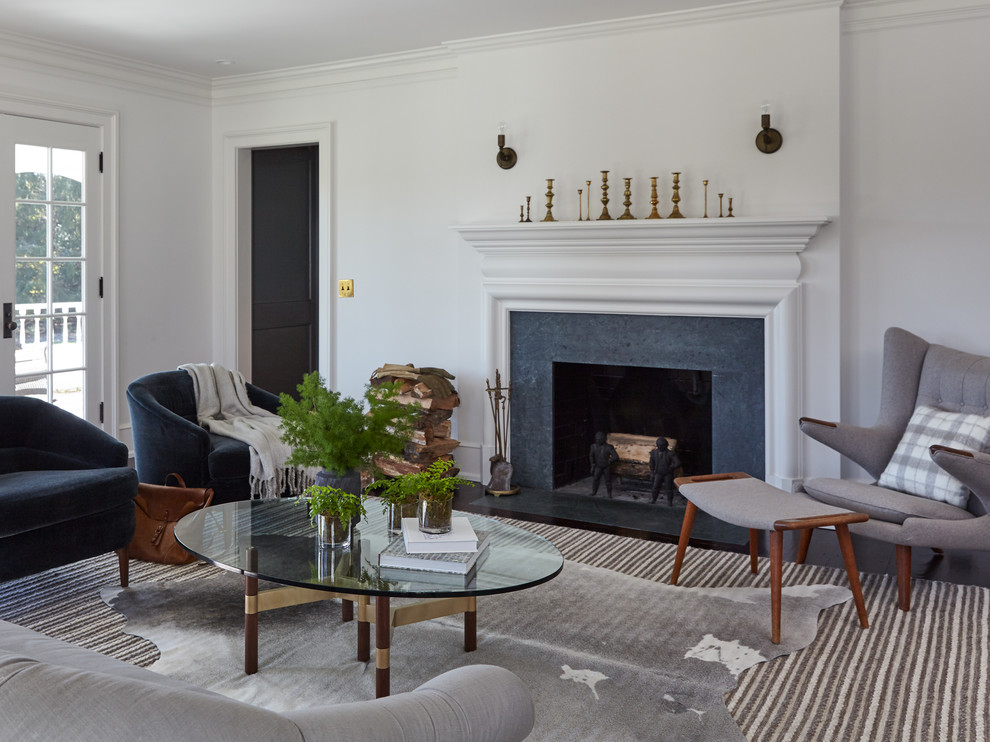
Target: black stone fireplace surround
[{"x": 731, "y": 348}]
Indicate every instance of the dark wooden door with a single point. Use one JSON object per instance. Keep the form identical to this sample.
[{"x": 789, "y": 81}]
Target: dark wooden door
[{"x": 284, "y": 289}]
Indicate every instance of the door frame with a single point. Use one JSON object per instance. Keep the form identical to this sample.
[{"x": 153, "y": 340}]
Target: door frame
[
  {"x": 107, "y": 122},
  {"x": 232, "y": 262}
]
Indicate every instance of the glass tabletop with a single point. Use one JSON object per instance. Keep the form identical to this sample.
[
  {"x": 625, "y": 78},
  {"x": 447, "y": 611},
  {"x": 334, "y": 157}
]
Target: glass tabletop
[{"x": 288, "y": 552}]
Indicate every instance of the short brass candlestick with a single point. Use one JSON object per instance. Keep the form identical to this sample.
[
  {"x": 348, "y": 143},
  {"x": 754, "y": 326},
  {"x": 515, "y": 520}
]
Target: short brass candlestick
[
  {"x": 521, "y": 213},
  {"x": 675, "y": 212},
  {"x": 527, "y": 209},
  {"x": 627, "y": 214},
  {"x": 730, "y": 206},
  {"x": 720, "y": 205},
  {"x": 706, "y": 199},
  {"x": 549, "y": 216},
  {"x": 654, "y": 200},
  {"x": 587, "y": 195},
  {"x": 605, "y": 215},
  {"x": 580, "y": 205}
]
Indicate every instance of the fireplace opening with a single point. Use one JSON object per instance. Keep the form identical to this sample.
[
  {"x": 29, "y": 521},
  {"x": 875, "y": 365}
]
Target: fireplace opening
[{"x": 633, "y": 405}]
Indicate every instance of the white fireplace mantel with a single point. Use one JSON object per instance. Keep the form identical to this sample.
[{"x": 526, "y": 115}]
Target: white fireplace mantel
[{"x": 726, "y": 267}]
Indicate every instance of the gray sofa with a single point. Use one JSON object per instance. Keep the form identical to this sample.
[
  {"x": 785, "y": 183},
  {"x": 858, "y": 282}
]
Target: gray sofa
[{"x": 50, "y": 690}]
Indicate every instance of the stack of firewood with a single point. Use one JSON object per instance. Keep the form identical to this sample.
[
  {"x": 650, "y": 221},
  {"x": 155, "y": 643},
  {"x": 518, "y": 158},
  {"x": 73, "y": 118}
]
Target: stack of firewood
[{"x": 431, "y": 389}]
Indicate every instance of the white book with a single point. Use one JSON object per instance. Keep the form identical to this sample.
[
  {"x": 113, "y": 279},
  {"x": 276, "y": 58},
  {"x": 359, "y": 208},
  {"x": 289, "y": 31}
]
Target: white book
[
  {"x": 457, "y": 562},
  {"x": 460, "y": 537}
]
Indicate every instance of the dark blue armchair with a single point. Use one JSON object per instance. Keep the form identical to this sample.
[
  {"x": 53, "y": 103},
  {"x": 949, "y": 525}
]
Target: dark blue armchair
[
  {"x": 66, "y": 491},
  {"x": 168, "y": 438}
]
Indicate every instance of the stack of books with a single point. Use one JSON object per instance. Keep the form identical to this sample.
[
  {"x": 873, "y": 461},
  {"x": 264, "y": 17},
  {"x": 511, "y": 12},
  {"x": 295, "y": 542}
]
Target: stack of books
[{"x": 455, "y": 552}]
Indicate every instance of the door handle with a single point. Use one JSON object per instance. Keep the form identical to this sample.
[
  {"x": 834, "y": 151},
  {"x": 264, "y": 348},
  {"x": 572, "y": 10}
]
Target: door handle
[{"x": 8, "y": 320}]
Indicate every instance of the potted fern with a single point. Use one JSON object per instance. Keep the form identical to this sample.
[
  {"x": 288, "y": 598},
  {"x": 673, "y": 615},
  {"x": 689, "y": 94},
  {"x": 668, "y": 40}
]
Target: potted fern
[
  {"x": 400, "y": 497},
  {"x": 340, "y": 435},
  {"x": 333, "y": 511},
  {"x": 436, "y": 486}
]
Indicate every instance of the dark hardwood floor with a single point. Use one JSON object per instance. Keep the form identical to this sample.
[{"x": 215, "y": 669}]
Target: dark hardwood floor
[{"x": 659, "y": 523}]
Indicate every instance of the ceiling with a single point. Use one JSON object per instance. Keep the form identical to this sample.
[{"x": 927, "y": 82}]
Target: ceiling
[{"x": 261, "y": 35}]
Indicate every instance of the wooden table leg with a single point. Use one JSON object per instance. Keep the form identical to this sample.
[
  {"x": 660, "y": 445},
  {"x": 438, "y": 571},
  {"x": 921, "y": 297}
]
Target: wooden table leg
[
  {"x": 251, "y": 614},
  {"x": 346, "y": 610},
  {"x": 471, "y": 627},
  {"x": 383, "y": 630},
  {"x": 776, "y": 574},
  {"x": 364, "y": 630},
  {"x": 682, "y": 542},
  {"x": 754, "y": 550},
  {"x": 849, "y": 558}
]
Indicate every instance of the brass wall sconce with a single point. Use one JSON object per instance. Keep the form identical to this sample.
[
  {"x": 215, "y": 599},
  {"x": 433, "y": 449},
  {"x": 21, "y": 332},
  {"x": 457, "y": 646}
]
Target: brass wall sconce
[
  {"x": 506, "y": 156},
  {"x": 768, "y": 140}
]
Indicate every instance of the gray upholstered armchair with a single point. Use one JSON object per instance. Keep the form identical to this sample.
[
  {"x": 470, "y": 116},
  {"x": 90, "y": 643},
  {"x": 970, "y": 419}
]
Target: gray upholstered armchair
[{"x": 927, "y": 453}]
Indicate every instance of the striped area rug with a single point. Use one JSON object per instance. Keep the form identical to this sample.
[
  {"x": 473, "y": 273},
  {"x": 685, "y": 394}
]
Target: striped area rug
[{"x": 915, "y": 677}]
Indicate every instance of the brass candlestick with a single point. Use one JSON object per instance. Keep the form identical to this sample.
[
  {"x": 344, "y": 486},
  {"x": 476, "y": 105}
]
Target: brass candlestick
[
  {"x": 720, "y": 205},
  {"x": 675, "y": 212},
  {"x": 706, "y": 199},
  {"x": 587, "y": 195},
  {"x": 527, "y": 209},
  {"x": 730, "y": 206},
  {"x": 627, "y": 214},
  {"x": 654, "y": 200},
  {"x": 580, "y": 205},
  {"x": 521, "y": 213},
  {"x": 605, "y": 215},
  {"x": 549, "y": 216}
]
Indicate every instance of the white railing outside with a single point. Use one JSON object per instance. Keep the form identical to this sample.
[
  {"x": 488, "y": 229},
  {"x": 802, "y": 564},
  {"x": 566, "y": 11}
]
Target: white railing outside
[{"x": 45, "y": 350}]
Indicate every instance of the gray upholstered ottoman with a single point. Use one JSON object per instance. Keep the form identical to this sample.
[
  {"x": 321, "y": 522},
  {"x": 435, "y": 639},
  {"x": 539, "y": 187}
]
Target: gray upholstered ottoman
[{"x": 741, "y": 500}]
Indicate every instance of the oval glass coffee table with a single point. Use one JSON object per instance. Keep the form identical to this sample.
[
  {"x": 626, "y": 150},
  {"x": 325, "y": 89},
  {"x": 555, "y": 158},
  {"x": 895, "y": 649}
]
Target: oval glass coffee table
[{"x": 274, "y": 541}]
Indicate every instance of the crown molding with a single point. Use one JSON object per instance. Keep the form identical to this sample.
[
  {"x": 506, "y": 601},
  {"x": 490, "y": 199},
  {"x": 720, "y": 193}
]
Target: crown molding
[
  {"x": 85, "y": 65},
  {"x": 874, "y": 15},
  {"x": 729, "y": 11},
  {"x": 432, "y": 63}
]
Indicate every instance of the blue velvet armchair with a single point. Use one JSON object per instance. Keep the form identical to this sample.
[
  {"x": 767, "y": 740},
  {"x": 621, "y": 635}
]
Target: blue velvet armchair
[
  {"x": 168, "y": 438},
  {"x": 66, "y": 491}
]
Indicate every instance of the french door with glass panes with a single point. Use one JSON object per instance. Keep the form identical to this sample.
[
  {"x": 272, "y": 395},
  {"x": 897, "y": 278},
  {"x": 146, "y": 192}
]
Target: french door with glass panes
[{"x": 50, "y": 257}]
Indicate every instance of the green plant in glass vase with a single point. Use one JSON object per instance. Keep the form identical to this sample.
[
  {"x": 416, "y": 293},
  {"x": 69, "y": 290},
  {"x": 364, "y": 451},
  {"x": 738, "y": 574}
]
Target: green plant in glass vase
[
  {"x": 341, "y": 435},
  {"x": 333, "y": 511},
  {"x": 436, "y": 487}
]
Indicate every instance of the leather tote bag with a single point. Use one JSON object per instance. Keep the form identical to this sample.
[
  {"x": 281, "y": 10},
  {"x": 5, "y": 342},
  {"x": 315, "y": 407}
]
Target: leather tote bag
[{"x": 158, "y": 508}]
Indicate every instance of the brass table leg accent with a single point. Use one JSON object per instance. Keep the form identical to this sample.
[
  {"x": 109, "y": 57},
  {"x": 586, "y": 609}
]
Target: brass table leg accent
[
  {"x": 471, "y": 626},
  {"x": 251, "y": 614},
  {"x": 754, "y": 550},
  {"x": 383, "y": 630},
  {"x": 364, "y": 630}
]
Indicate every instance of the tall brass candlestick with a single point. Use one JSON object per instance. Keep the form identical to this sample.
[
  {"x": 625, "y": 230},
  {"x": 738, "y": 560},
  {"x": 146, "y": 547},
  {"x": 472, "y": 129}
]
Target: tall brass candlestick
[
  {"x": 627, "y": 214},
  {"x": 605, "y": 215},
  {"x": 549, "y": 216},
  {"x": 706, "y": 199},
  {"x": 654, "y": 200},
  {"x": 720, "y": 205},
  {"x": 587, "y": 195},
  {"x": 675, "y": 212},
  {"x": 527, "y": 209},
  {"x": 580, "y": 205}
]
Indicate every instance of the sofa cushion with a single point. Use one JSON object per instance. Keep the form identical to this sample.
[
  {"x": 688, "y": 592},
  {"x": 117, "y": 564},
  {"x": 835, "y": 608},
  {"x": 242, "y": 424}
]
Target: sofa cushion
[
  {"x": 30, "y": 499},
  {"x": 911, "y": 468},
  {"x": 880, "y": 503},
  {"x": 20, "y": 458}
]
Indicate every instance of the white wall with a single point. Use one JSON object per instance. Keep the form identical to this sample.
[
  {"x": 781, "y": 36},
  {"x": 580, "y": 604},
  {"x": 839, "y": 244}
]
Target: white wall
[
  {"x": 915, "y": 192},
  {"x": 415, "y": 154},
  {"x": 164, "y": 205}
]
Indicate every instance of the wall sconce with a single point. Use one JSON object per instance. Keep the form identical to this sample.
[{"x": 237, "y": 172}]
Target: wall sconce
[
  {"x": 768, "y": 140},
  {"x": 506, "y": 156}
]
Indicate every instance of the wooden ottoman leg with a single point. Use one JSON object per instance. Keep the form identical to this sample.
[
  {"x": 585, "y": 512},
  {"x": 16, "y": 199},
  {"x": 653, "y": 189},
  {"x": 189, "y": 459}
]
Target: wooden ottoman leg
[
  {"x": 754, "y": 550},
  {"x": 903, "y": 577},
  {"x": 682, "y": 542},
  {"x": 776, "y": 574},
  {"x": 124, "y": 566},
  {"x": 803, "y": 544},
  {"x": 845, "y": 545}
]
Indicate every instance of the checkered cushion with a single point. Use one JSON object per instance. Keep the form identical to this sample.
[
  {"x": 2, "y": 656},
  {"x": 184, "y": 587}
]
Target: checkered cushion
[{"x": 911, "y": 468}]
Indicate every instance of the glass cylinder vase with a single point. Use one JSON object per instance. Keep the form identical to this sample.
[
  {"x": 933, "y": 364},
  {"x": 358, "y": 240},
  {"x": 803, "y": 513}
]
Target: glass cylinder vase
[
  {"x": 434, "y": 517},
  {"x": 396, "y": 512},
  {"x": 332, "y": 533}
]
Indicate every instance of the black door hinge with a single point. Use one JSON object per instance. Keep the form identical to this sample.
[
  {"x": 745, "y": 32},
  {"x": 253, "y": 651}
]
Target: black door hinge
[
  {"x": 101, "y": 412},
  {"x": 101, "y": 287},
  {"x": 101, "y": 162}
]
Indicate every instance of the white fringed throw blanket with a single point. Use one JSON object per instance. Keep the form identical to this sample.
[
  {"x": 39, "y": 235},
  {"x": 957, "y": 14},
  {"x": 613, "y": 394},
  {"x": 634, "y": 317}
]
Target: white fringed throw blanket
[{"x": 223, "y": 407}]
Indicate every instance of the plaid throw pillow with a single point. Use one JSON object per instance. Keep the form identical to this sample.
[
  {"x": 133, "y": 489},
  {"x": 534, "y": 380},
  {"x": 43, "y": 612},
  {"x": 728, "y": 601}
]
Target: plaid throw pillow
[{"x": 911, "y": 468}]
